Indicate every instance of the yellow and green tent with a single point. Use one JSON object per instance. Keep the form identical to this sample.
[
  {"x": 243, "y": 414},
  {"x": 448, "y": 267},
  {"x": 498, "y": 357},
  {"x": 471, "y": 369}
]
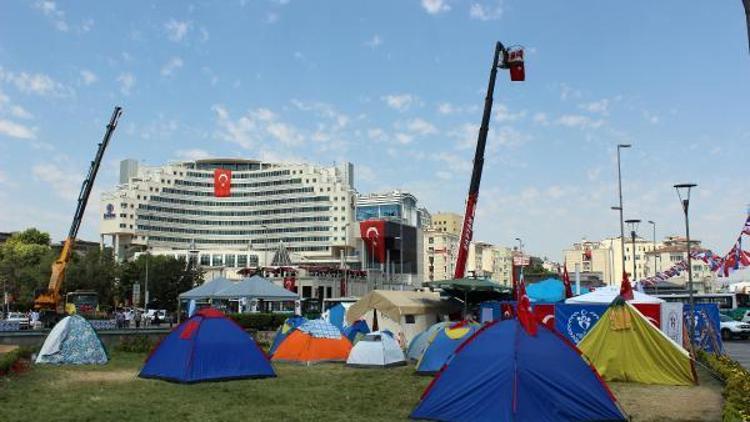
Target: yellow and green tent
[{"x": 624, "y": 346}]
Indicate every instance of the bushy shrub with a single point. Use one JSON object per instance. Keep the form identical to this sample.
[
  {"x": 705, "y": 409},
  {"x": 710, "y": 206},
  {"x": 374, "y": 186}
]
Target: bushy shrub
[
  {"x": 737, "y": 386},
  {"x": 135, "y": 344},
  {"x": 9, "y": 361},
  {"x": 260, "y": 321}
]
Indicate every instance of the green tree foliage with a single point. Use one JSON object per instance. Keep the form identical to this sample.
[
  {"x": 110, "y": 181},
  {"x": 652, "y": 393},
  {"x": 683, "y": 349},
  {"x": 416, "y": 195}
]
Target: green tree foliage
[
  {"x": 25, "y": 264},
  {"x": 96, "y": 270},
  {"x": 167, "y": 278}
]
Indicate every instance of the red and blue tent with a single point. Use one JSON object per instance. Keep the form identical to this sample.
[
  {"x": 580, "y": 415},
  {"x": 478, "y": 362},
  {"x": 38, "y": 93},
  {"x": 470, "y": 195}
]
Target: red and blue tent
[
  {"x": 442, "y": 344},
  {"x": 503, "y": 373},
  {"x": 207, "y": 347}
]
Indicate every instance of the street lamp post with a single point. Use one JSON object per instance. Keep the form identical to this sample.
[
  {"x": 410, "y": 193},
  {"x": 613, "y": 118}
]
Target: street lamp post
[
  {"x": 633, "y": 226},
  {"x": 656, "y": 288},
  {"x": 619, "y": 188},
  {"x": 683, "y": 193},
  {"x": 520, "y": 272},
  {"x": 145, "y": 287}
]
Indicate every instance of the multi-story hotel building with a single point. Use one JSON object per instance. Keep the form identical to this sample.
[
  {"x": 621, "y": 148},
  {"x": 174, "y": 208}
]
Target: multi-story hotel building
[
  {"x": 448, "y": 222},
  {"x": 174, "y": 209}
]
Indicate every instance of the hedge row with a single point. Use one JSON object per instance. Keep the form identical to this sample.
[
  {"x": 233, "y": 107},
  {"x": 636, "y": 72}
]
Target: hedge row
[
  {"x": 736, "y": 386},
  {"x": 8, "y": 360},
  {"x": 260, "y": 321}
]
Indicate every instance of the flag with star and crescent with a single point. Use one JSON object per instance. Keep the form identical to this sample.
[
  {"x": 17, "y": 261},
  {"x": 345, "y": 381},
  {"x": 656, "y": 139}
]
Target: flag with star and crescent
[{"x": 222, "y": 183}]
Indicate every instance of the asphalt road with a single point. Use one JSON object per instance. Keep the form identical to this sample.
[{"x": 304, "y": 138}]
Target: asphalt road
[{"x": 739, "y": 350}]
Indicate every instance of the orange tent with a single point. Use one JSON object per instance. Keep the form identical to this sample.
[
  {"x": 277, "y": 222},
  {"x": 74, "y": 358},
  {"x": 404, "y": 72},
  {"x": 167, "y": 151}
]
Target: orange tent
[{"x": 312, "y": 342}]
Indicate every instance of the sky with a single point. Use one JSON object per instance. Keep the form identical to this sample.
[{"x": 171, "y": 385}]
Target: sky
[{"x": 397, "y": 88}]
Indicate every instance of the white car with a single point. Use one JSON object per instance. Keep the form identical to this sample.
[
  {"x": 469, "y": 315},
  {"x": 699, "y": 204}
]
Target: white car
[
  {"x": 20, "y": 318},
  {"x": 731, "y": 328}
]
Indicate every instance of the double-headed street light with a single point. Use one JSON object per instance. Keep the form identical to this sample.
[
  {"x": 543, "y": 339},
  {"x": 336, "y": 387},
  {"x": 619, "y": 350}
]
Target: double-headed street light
[{"x": 683, "y": 193}]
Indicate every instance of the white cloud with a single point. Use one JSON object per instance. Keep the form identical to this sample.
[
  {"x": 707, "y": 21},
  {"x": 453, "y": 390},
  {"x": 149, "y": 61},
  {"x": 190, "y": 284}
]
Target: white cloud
[
  {"x": 127, "y": 82},
  {"x": 173, "y": 64},
  {"x": 374, "y": 42},
  {"x": 651, "y": 117},
  {"x": 434, "y": 7},
  {"x": 35, "y": 83},
  {"x": 20, "y": 112},
  {"x": 597, "y": 107},
  {"x": 541, "y": 119},
  {"x": 377, "y": 134},
  {"x": 65, "y": 183},
  {"x": 446, "y": 108},
  {"x": 420, "y": 127},
  {"x": 403, "y": 138},
  {"x": 252, "y": 130},
  {"x": 49, "y": 9},
  {"x": 272, "y": 17},
  {"x": 486, "y": 12},
  {"x": 88, "y": 77},
  {"x": 566, "y": 91},
  {"x": 400, "y": 102},
  {"x": 16, "y": 130},
  {"x": 503, "y": 114},
  {"x": 192, "y": 154},
  {"x": 177, "y": 30},
  {"x": 578, "y": 121}
]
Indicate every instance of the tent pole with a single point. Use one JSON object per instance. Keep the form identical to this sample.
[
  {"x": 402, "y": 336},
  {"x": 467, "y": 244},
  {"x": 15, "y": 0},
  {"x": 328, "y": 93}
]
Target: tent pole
[{"x": 179, "y": 306}]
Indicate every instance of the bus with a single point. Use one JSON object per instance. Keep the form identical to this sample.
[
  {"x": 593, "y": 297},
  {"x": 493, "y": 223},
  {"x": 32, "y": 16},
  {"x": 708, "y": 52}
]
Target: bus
[
  {"x": 725, "y": 301},
  {"x": 81, "y": 302}
]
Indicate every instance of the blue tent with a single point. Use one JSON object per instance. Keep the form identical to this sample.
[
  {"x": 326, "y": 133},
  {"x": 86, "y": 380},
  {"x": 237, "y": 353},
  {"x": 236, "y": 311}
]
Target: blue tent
[
  {"x": 420, "y": 342},
  {"x": 547, "y": 291},
  {"x": 336, "y": 315},
  {"x": 359, "y": 327},
  {"x": 504, "y": 374},
  {"x": 73, "y": 341},
  {"x": 207, "y": 347},
  {"x": 286, "y": 328},
  {"x": 442, "y": 345}
]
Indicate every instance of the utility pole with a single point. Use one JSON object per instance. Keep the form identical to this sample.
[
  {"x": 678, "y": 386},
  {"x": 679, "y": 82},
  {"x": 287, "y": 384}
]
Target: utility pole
[{"x": 619, "y": 189}]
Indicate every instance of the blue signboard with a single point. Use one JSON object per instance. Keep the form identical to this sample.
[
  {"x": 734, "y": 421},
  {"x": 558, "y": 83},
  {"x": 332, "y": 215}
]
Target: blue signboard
[{"x": 575, "y": 321}]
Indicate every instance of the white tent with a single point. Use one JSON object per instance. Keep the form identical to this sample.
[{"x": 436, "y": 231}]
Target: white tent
[
  {"x": 376, "y": 349},
  {"x": 608, "y": 293}
]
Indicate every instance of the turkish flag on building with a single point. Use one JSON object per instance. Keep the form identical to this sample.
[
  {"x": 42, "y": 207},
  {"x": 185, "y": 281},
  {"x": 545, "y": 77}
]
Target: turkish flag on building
[
  {"x": 652, "y": 312},
  {"x": 373, "y": 234},
  {"x": 222, "y": 182}
]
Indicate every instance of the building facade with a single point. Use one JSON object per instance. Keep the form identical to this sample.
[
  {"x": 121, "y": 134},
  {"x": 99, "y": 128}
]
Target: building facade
[
  {"x": 448, "y": 222},
  {"x": 440, "y": 253},
  {"x": 674, "y": 250},
  {"x": 175, "y": 209}
]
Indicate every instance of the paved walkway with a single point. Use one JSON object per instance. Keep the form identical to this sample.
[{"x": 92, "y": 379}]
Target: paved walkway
[{"x": 739, "y": 350}]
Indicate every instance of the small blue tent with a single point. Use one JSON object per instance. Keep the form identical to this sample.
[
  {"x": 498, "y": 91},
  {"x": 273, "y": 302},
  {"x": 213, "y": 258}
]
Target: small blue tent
[
  {"x": 359, "y": 327},
  {"x": 420, "y": 342},
  {"x": 207, "y": 347},
  {"x": 442, "y": 345},
  {"x": 503, "y": 374},
  {"x": 546, "y": 291},
  {"x": 286, "y": 328}
]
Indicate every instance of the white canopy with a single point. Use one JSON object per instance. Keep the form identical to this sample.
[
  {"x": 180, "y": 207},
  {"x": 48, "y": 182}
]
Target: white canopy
[{"x": 608, "y": 293}]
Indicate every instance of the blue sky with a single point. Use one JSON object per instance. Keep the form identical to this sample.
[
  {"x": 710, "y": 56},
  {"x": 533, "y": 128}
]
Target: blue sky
[{"x": 397, "y": 88}]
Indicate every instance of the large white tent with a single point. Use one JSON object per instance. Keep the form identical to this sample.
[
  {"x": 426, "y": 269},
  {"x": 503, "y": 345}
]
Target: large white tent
[
  {"x": 607, "y": 294},
  {"x": 377, "y": 349}
]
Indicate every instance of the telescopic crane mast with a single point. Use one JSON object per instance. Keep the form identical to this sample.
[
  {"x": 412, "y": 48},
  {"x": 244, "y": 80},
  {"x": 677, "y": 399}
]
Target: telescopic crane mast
[
  {"x": 502, "y": 59},
  {"x": 51, "y": 300}
]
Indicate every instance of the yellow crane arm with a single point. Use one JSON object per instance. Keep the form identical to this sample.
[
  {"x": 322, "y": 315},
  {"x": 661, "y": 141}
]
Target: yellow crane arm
[{"x": 51, "y": 299}]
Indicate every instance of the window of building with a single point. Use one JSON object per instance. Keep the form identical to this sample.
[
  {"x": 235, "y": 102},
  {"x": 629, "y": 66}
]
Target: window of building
[
  {"x": 217, "y": 261},
  {"x": 409, "y": 319},
  {"x": 206, "y": 260},
  {"x": 431, "y": 240},
  {"x": 231, "y": 260},
  {"x": 242, "y": 261}
]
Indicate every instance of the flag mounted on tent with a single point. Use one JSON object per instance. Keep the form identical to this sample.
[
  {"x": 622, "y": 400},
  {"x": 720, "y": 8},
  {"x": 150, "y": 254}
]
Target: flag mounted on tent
[
  {"x": 525, "y": 315},
  {"x": 566, "y": 282},
  {"x": 626, "y": 290}
]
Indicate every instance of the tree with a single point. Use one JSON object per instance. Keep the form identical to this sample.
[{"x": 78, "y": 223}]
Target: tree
[
  {"x": 32, "y": 236},
  {"x": 167, "y": 278},
  {"x": 96, "y": 270},
  {"x": 25, "y": 265}
]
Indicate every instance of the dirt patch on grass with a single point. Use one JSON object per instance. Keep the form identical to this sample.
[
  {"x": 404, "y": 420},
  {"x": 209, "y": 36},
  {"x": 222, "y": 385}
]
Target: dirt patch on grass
[
  {"x": 671, "y": 403},
  {"x": 7, "y": 348},
  {"x": 66, "y": 378}
]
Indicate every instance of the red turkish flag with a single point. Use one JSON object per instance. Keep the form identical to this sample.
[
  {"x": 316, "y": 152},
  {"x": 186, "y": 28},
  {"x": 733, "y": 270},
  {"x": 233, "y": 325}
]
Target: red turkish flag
[
  {"x": 626, "y": 290},
  {"x": 525, "y": 315},
  {"x": 373, "y": 234},
  {"x": 652, "y": 312},
  {"x": 566, "y": 282},
  {"x": 545, "y": 313},
  {"x": 222, "y": 182}
]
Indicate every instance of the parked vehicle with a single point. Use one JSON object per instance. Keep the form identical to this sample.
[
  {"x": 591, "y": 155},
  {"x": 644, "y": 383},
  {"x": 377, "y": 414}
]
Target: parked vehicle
[
  {"x": 151, "y": 314},
  {"x": 20, "y": 317},
  {"x": 732, "y": 329}
]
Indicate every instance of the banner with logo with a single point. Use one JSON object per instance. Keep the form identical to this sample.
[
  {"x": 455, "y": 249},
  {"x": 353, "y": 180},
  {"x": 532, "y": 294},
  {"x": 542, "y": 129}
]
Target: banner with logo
[
  {"x": 671, "y": 320},
  {"x": 373, "y": 234},
  {"x": 707, "y": 332},
  {"x": 222, "y": 183},
  {"x": 652, "y": 312},
  {"x": 545, "y": 313},
  {"x": 575, "y": 321}
]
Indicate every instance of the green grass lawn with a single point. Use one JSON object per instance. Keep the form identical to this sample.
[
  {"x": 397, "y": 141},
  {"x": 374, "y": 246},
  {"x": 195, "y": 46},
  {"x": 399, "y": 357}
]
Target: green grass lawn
[
  {"x": 330, "y": 392},
  {"x": 326, "y": 392}
]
